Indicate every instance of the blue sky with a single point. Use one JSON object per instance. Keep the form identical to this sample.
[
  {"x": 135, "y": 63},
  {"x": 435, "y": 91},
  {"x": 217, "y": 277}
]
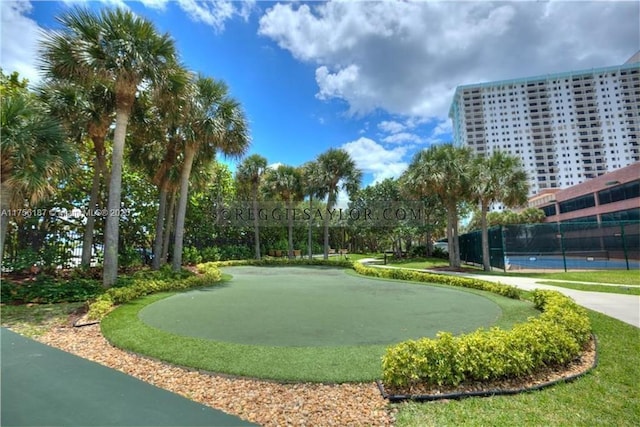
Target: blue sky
[{"x": 374, "y": 78}]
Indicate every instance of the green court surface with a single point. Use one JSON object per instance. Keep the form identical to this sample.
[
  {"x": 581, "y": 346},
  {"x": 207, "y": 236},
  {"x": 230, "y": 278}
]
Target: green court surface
[
  {"x": 317, "y": 307},
  {"x": 43, "y": 386}
]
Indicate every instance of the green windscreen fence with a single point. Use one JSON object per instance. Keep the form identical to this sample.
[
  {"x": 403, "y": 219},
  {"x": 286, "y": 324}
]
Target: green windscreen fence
[{"x": 558, "y": 246}]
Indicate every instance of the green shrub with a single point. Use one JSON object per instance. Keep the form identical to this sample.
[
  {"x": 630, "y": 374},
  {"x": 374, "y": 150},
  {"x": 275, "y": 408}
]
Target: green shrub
[
  {"x": 100, "y": 308},
  {"x": 554, "y": 338},
  {"x": 210, "y": 254},
  {"x": 285, "y": 262},
  {"x": 45, "y": 289},
  {"x": 146, "y": 283},
  {"x": 191, "y": 256},
  {"x": 420, "y": 276}
]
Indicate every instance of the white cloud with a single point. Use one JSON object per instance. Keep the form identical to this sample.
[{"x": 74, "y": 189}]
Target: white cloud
[
  {"x": 19, "y": 35},
  {"x": 275, "y": 165},
  {"x": 402, "y": 137},
  {"x": 216, "y": 12},
  {"x": 406, "y": 58},
  {"x": 391, "y": 126},
  {"x": 375, "y": 159}
]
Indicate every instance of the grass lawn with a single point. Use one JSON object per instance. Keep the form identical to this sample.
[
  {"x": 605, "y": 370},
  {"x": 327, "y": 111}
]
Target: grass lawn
[
  {"x": 621, "y": 277},
  {"x": 418, "y": 262},
  {"x": 625, "y": 290},
  {"x": 609, "y": 395},
  {"x": 344, "y": 363}
]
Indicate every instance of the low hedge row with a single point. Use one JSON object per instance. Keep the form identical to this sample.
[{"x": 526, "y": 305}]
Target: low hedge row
[
  {"x": 554, "y": 338},
  {"x": 419, "y": 276},
  {"x": 145, "y": 285},
  {"x": 284, "y": 262}
]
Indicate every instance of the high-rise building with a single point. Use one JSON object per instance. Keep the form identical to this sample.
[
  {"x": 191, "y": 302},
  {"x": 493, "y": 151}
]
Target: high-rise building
[{"x": 566, "y": 127}]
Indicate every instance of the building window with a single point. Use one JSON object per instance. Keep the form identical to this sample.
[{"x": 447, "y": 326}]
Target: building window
[
  {"x": 626, "y": 191},
  {"x": 578, "y": 203}
]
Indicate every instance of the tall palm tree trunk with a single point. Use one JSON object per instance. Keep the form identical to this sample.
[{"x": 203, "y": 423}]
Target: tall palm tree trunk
[
  {"x": 87, "y": 241},
  {"x": 309, "y": 237},
  {"x": 168, "y": 228},
  {"x": 160, "y": 220},
  {"x": 112, "y": 224},
  {"x": 452, "y": 236},
  {"x": 190, "y": 153},
  {"x": 256, "y": 228},
  {"x": 326, "y": 229},
  {"x": 290, "y": 227},
  {"x": 486, "y": 256}
]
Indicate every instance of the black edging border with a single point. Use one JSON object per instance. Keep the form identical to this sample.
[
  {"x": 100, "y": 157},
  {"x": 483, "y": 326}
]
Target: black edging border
[
  {"x": 76, "y": 325},
  {"x": 485, "y": 393}
]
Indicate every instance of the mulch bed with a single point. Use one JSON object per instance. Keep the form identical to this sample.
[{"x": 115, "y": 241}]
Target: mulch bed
[
  {"x": 273, "y": 404},
  {"x": 263, "y": 402}
]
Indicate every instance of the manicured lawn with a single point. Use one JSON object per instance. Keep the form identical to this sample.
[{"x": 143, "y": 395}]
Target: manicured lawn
[
  {"x": 609, "y": 395},
  {"x": 342, "y": 363},
  {"x": 622, "y": 277},
  {"x": 626, "y": 290},
  {"x": 418, "y": 262}
]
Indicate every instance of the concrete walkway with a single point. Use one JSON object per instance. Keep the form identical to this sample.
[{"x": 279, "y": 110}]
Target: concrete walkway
[{"x": 618, "y": 306}]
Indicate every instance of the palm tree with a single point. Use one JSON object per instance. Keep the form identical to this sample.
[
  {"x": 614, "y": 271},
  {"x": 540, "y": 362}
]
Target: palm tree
[
  {"x": 497, "y": 178},
  {"x": 249, "y": 175},
  {"x": 336, "y": 170},
  {"x": 212, "y": 122},
  {"x": 34, "y": 153},
  {"x": 311, "y": 188},
  {"x": 285, "y": 183},
  {"x": 85, "y": 112},
  {"x": 156, "y": 124},
  {"x": 444, "y": 170},
  {"x": 124, "y": 52}
]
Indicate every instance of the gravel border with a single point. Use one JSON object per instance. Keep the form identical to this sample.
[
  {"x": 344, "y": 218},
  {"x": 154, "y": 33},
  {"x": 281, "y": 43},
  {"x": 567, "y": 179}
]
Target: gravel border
[{"x": 262, "y": 402}]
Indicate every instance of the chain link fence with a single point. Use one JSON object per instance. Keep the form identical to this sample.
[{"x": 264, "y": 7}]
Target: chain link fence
[{"x": 558, "y": 246}]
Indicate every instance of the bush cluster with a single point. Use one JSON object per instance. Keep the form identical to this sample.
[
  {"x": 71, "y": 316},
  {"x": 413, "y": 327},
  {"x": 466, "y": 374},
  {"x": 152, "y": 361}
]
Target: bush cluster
[
  {"x": 147, "y": 283},
  {"x": 45, "y": 289},
  {"x": 285, "y": 262},
  {"x": 554, "y": 338},
  {"x": 419, "y": 276}
]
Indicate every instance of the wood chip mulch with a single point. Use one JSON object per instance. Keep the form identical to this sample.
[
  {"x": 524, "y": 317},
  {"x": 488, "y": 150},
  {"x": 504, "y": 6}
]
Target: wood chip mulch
[
  {"x": 274, "y": 404},
  {"x": 261, "y": 402}
]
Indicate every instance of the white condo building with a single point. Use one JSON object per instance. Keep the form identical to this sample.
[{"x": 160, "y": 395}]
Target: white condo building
[{"x": 566, "y": 127}]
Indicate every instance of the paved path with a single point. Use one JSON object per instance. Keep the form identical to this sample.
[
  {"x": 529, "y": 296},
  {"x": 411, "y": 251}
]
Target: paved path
[
  {"x": 42, "y": 385},
  {"x": 621, "y": 307}
]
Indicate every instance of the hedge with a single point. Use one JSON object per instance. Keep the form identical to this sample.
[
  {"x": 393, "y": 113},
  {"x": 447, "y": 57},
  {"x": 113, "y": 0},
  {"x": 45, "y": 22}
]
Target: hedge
[
  {"x": 554, "y": 338},
  {"x": 419, "y": 276},
  {"x": 145, "y": 285},
  {"x": 285, "y": 262}
]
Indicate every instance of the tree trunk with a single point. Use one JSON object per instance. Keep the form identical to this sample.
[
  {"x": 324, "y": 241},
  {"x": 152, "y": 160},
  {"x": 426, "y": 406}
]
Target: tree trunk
[
  {"x": 110, "y": 273},
  {"x": 309, "y": 237},
  {"x": 486, "y": 258},
  {"x": 168, "y": 228},
  {"x": 5, "y": 196},
  {"x": 87, "y": 241},
  {"x": 290, "y": 227},
  {"x": 189, "y": 155},
  {"x": 256, "y": 228},
  {"x": 326, "y": 232},
  {"x": 452, "y": 236},
  {"x": 160, "y": 220}
]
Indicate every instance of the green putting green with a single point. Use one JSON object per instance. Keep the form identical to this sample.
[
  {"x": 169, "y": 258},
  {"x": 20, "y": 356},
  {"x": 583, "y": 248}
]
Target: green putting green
[{"x": 317, "y": 307}]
